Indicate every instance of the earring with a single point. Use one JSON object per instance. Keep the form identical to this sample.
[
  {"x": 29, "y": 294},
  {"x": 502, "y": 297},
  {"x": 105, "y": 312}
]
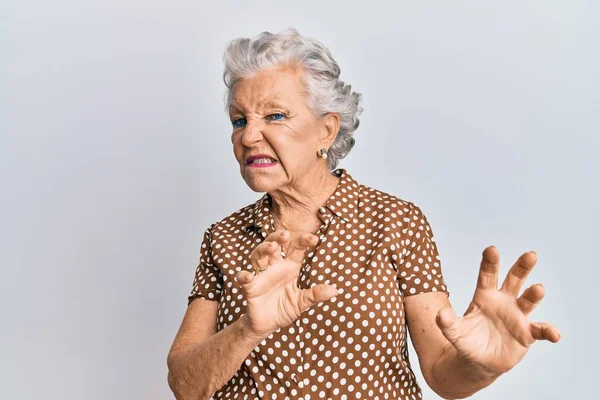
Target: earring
[{"x": 323, "y": 154}]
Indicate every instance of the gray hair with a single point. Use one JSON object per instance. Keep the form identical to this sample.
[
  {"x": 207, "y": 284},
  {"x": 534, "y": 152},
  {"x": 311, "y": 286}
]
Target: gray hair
[{"x": 326, "y": 93}]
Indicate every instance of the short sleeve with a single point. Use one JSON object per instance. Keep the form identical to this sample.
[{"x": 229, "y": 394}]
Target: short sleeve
[
  {"x": 419, "y": 267},
  {"x": 208, "y": 279}
]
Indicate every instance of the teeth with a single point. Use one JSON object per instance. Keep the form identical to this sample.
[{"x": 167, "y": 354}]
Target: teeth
[{"x": 262, "y": 161}]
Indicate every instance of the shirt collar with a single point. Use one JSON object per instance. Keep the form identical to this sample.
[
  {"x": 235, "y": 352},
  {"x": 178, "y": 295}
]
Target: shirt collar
[{"x": 343, "y": 203}]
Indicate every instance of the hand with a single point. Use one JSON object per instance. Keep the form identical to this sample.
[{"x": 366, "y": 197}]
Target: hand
[
  {"x": 274, "y": 299},
  {"x": 495, "y": 331}
]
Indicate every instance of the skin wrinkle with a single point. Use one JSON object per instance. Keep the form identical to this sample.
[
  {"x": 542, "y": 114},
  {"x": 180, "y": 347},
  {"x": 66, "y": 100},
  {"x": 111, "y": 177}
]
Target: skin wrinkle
[
  {"x": 299, "y": 183},
  {"x": 191, "y": 363}
]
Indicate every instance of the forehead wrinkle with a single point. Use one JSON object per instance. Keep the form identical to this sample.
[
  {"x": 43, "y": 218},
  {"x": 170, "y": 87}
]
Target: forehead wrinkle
[
  {"x": 275, "y": 85},
  {"x": 271, "y": 101}
]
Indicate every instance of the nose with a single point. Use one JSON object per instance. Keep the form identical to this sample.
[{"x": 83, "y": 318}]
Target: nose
[{"x": 252, "y": 133}]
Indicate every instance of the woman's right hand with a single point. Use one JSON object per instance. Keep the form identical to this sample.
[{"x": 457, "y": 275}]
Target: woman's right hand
[{"x": 273, "y": 297}]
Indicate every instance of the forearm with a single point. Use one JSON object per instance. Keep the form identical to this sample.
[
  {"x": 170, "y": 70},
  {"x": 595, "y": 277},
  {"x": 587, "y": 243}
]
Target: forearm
[
  {"x": 454, "y": 377},
  {"x": 200, "y": 370}
]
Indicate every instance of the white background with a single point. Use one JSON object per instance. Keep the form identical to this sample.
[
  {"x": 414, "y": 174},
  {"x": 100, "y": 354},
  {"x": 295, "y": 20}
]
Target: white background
[{"x": 115, "y": 156}]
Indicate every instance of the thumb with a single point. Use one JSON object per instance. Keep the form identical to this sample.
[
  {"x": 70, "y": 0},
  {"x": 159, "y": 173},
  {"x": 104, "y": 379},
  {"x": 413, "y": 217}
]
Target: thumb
[
  {"x": 316, "y": 294},
  {"x": 448, "y": 323}
]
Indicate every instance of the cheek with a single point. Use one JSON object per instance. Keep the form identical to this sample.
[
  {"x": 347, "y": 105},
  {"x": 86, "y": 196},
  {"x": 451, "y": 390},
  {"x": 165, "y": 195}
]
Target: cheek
[
  {"x": 301, "y": 135},
  {"x": 237, "y": 146},
  {"x": 293, "y": 152},
  {"x": 307, "y": 135}
]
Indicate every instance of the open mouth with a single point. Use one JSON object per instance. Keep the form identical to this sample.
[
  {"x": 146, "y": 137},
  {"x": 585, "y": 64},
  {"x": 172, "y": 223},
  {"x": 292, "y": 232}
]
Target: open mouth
[
  {"x": 260, "y": 160},
  {"x": 263, "y": 161}
]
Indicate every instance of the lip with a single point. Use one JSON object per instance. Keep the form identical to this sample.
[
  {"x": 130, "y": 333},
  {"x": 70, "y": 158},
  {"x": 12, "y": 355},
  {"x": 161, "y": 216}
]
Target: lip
[
  {"x": 261, "y": 165},
  {"x": 254, "y": 157}
]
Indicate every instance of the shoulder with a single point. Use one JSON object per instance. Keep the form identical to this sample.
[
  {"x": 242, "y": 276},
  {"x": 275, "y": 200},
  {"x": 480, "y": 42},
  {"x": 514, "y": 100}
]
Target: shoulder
[
  {"x": 401, "y": 213},
  {"x": 372, "y": 199}
]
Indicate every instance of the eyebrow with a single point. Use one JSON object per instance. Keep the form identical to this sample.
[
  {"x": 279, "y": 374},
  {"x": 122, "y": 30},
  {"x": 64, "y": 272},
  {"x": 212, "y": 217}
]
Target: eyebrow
[
  {"x": 270, "y": 103},
  {"x": 232, "y": 108}
]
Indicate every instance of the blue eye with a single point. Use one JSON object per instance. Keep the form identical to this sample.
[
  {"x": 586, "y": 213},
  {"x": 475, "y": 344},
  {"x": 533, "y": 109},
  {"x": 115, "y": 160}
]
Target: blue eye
[
  {"x": 238, "y": 123},
  {"x": 277, "y": 114}
]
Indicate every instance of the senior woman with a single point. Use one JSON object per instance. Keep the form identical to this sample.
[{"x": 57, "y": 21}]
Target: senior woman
[{"x": 309, "y": 292}]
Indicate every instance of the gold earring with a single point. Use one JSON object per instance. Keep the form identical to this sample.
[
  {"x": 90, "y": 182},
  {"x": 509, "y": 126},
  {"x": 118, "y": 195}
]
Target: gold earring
[{"x": 323, "y": 154}]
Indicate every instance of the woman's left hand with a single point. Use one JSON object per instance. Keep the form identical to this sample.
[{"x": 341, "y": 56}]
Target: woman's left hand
[{"x": 495, "y": 332}]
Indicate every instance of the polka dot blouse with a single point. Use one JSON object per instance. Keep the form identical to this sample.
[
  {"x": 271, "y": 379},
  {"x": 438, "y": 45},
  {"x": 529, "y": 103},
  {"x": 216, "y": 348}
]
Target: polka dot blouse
[{"x": 376, "y": 249}]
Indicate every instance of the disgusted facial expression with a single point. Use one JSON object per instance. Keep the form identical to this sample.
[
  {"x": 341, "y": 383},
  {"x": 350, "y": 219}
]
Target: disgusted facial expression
[{"x": 275, "y": 134}]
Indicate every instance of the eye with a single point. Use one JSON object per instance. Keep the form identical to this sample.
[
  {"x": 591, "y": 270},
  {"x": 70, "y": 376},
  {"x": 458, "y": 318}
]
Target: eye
[
  {"x": 276, "y": 116},
  {"x": 238, "y": 123}
]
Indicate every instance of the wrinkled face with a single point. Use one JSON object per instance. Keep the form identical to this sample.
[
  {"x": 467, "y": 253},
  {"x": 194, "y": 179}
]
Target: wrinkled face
[{"x": 272, "y": 121}]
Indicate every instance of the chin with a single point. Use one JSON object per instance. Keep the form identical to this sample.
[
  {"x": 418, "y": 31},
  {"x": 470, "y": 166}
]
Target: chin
[{"x": 259, "y": 182}]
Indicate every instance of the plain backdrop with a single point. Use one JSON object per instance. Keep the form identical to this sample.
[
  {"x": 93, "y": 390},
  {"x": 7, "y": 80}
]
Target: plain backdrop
[{"x": 115, "y": 156}]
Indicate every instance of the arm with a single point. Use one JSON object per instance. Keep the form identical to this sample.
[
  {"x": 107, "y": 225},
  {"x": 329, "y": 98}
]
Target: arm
[
  {"x": 465, "y": 354},
  {"x": 202, "y": 360},
  {"x": 446, "y": 373}
]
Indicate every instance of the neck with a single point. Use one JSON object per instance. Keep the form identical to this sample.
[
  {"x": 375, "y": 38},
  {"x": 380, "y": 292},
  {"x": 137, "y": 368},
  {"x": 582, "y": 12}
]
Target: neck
[{"x": 299, "y": 202}]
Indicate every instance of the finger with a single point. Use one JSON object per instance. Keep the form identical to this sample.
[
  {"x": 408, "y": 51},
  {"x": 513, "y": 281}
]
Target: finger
[
  {"x": 518, "y": 273},
  {"x": 488, "y": 270},
  {"x": 299, "y": 244},
  {"x": 530, "y": 298},
  {"x": 316, "y": 294},
  {"x": 263, "y": 250},
  {"x": 261, "y": 253},
  {"x": 545, "y": 331},
  {"x": 245, "y": 279},
  {"x": 448, "y": 322},
  {"x": 281, "y": 236}
]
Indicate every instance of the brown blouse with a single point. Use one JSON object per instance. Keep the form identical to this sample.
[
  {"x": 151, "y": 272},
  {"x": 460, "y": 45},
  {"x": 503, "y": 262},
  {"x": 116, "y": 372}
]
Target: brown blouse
[{"x": 376, "y": 249}]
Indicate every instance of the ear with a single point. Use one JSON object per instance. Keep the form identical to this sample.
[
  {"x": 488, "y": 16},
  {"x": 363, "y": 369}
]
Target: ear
[{"x": 330, "y": 128}]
